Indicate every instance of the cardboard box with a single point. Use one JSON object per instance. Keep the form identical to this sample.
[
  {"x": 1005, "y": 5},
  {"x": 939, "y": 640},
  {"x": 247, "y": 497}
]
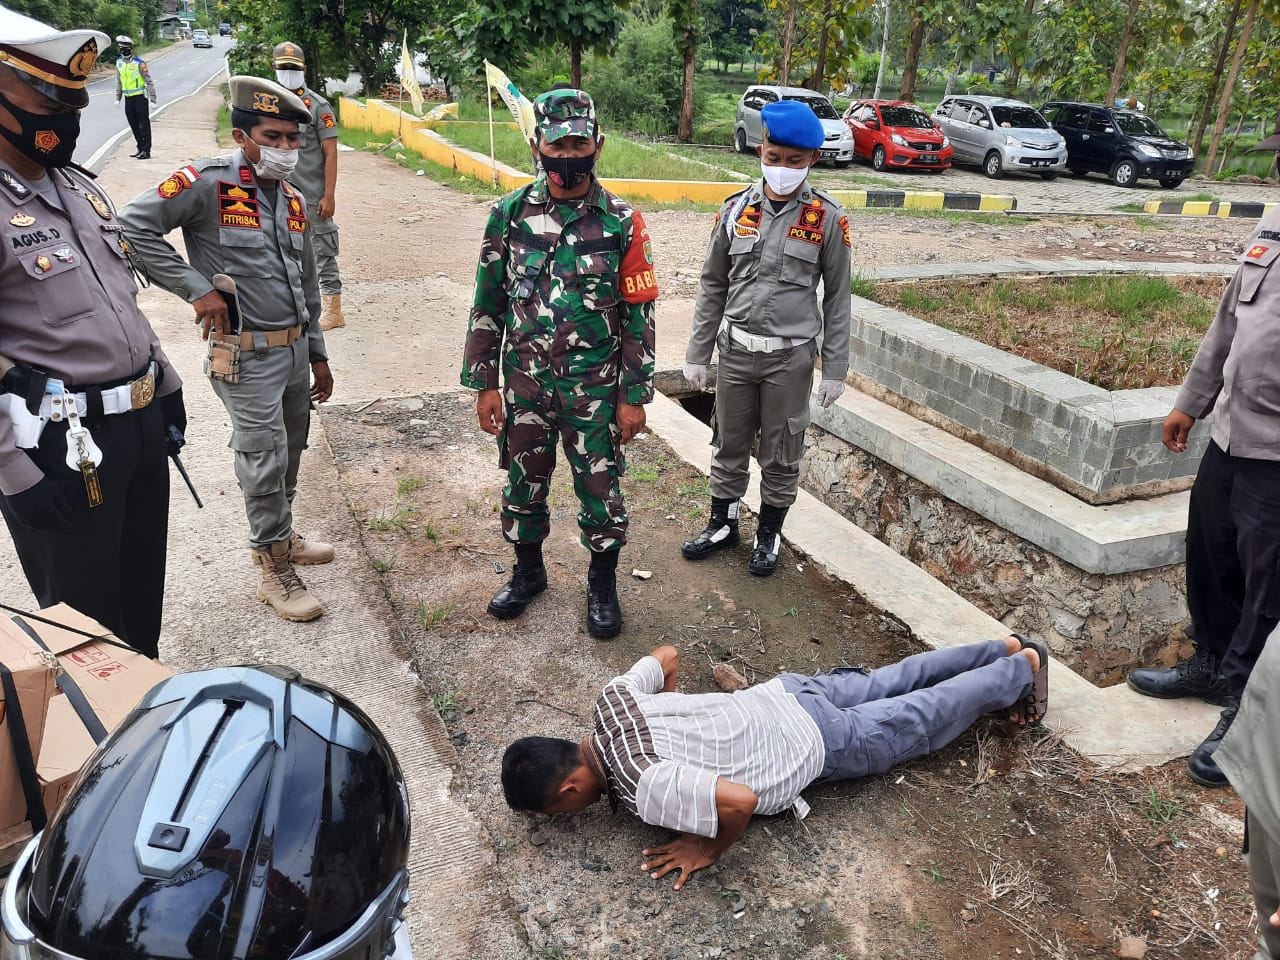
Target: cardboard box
[
  {"x": 33, "y": 676},
  {"x": 112, "y": 678}
]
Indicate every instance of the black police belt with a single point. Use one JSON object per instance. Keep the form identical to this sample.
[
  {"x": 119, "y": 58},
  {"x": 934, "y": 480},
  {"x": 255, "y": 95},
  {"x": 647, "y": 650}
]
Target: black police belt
[{"x": 92, "y": 402}]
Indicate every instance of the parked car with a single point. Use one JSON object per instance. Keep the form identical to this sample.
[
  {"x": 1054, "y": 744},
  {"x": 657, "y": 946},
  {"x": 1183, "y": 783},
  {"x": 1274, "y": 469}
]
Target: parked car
[
  {"x": 224, "y": 30},
  {"x": 200, "y": 38},
  {"x": 1001, "y": 135},
  {"x": 894, "y": 133},
  {"x": 1124, "y": 144},
  {"x": 838, "y": 146}
]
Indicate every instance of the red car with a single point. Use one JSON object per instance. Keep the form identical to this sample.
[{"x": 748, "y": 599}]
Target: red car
[{"x": 894, "y": 133}]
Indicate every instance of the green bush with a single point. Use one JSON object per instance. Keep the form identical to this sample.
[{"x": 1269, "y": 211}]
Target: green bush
[
  {"x": 639, "y": 86},
  {"x": 114, "y": 19}
]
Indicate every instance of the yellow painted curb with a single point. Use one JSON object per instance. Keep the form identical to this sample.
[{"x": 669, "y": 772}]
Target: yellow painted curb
[{"x": 1208, "y": 208}]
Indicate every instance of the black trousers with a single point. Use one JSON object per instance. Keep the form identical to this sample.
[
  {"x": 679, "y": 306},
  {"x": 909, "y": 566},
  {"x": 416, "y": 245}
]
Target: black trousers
[
  {"x": 138, "y": 112},
  {"x": 1233, "y": 559},
  {"x": 110, "y": 566}
]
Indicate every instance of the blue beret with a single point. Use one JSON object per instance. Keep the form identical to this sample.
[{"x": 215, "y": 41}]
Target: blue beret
[{"x": 790, "y": 123}]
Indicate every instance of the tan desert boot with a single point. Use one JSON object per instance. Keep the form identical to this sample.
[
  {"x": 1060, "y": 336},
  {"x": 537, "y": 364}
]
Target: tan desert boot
[
  {"x": 303, "y": 551},
  {"x": 331, "y": 314},
  {"x": 281, "y": 586}
]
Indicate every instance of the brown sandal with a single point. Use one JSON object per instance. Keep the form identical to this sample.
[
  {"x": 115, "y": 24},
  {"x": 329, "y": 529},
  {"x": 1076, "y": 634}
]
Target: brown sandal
[{"x": 1034, "y": 702}]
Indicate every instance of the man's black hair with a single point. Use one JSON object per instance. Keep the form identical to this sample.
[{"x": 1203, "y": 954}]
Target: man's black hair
[
  {"x": 245, "y": 120},
  {"x": 533, "y": 768},
  {"x": 563, "y": 85}
]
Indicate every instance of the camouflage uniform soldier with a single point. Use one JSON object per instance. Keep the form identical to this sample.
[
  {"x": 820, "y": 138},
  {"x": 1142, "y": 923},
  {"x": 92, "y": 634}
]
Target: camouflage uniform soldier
[
  {"x": 316, "y": 176},
  {"x": 757, "y": 304},
  {"x": 564, "y": 307}
]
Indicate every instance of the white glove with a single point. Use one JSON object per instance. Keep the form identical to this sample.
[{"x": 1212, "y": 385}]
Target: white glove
[
  {"x": 828, "y": 391},
  {"x": 696, "y": 374}
]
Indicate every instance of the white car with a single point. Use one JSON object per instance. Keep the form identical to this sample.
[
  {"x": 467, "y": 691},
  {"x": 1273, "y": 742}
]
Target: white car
[
  {"x": 838, "y": 146},
  {"x": 200, "y": 38}
]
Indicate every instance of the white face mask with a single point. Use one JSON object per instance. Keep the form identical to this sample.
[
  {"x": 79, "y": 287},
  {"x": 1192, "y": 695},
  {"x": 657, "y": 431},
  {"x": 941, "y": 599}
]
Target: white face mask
[
  {"x": 291, "y": 79},
  {"x": 276, "y": 164},
  {"x": 784, "y": 180}
]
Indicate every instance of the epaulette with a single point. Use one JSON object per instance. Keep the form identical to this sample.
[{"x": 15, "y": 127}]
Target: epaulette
[{"x": 826, "y": 196}]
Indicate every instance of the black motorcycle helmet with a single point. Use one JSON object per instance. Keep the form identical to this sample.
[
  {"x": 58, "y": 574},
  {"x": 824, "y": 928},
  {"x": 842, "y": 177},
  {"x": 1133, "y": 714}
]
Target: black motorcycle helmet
[{"x": 237, "y": 813}]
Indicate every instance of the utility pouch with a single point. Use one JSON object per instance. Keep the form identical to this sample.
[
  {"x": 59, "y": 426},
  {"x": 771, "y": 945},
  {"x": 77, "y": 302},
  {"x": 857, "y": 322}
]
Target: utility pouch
[{"x": 223, "y": 360}]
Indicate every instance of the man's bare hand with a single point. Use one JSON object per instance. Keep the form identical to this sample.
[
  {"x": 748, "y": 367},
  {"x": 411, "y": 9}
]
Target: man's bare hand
[
  {"x": 688, "y": 853},
  {"x": 325, "y": 208},
  {"x": 630, "y": 419},
  {"x": 489, "y": 410},
  {"x": 211, "y": 314},
  {"x": 1176, "y": 427},
  {"x": 322, "y": 385}
]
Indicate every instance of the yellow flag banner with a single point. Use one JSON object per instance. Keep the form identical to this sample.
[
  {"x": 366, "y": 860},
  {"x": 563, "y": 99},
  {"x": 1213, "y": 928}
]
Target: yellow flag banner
[
  {"x": 520, "y": 106},
  {"x": 409, "y": 75}
]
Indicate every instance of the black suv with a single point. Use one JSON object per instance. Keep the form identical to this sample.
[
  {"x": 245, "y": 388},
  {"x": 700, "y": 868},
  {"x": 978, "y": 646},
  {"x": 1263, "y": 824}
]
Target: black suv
[{"x": 1123, "y": 144}]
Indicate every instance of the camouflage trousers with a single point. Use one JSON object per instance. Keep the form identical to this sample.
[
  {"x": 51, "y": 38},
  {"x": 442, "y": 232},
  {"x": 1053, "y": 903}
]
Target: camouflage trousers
[{"x": 528, "y": 453}]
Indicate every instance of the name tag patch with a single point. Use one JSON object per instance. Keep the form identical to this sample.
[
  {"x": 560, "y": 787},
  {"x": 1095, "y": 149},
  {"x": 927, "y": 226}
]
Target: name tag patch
[{"x": 238, "y": 206}]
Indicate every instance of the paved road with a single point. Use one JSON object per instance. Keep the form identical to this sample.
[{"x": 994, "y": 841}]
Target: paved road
[{"x": 179, "y": 72}]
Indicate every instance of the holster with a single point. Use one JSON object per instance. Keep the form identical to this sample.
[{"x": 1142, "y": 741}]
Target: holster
[{"x": 27, "y": 426}]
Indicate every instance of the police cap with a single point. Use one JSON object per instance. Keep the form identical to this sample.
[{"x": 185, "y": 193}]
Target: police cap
[
  {"x": 565, "y": 113},
  {"x": 287, "y": 55},
  {"x": 267, "y": 98},
  {"x": 54, "y": 62},
  {"x": 790, "y": 123}
]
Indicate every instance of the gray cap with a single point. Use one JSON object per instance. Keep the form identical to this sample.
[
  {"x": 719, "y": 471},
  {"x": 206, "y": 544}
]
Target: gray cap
[{"x": 268, "y": 99}]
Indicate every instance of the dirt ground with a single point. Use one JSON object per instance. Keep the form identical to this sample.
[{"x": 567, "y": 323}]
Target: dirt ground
[
  {"x": 1074, "y": 324},
  {"x": 997, "y": 846}
]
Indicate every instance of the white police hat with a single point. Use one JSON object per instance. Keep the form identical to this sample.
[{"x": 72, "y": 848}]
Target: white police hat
[{"x": 54, "y": 62}]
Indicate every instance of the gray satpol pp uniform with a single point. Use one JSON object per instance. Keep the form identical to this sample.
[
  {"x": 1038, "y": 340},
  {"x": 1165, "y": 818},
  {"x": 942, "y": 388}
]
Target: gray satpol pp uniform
[
  {"x": 309, "y": 178},
  {"x": 758, "y": 304},
  {"x": 260, "y": 237}
]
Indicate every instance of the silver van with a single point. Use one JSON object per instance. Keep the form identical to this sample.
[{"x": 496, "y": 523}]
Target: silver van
[
  {"x": 838, "y": 144},
  {"x": 1001, "y": 136}
]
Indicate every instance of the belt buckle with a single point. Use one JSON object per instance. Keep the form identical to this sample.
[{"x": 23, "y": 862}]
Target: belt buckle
[
  {"x": 758, "y": 344},
  {"x": 142, "y": 391}
]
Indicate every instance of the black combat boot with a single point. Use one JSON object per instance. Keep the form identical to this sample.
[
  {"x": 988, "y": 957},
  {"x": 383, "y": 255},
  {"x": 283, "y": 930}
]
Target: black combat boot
[
  {"x": 721, "y": 531},
  {"x": 764, "y": 555},
  {"x": 604, "y": 613},
  {"x": 1200, "y": 676},
  {"x": 528, "y": 579},
  {"x": 1202, "y": 766}
]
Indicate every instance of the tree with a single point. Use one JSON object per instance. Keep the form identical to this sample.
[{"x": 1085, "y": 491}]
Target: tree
[
  {"x": 1197, "y": 140},
  {"x": 826, "y": 38},
  {"x": 1117, "y": 74},
  {"x": 684, "y": 23},
  {"x": 504, "y": 32},
  {"x": 1224, "y": 104},
  {"x": 919, "y": 9}
]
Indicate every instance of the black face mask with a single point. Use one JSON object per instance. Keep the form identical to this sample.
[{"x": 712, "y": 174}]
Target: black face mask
[
  {"x": 126, "y": 52},
  {"x": 567, "y": 172},
  {"x": 46, "y": 139}
]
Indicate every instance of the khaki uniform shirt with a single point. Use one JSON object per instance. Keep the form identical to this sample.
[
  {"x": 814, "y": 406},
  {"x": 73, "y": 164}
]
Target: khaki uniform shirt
[
  {"x": 762, "y": 270},
  {"x": 68, "y": 299},
  {"x": 1236, "y": 372},
  {"x": 259, "y": 237},
  {"x": 309, "y": 177}
]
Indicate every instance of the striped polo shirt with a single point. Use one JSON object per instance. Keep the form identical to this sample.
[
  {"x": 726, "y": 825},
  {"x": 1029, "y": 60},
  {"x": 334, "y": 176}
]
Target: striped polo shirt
[{"x": 662, "y": 753}]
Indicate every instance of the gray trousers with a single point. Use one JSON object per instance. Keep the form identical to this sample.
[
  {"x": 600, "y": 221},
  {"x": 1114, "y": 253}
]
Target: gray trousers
[
  {"x": 324, "y": 241},
  {"x": 270, "y": 411},
  {"x": 1264, "y": 880},
  {"x": 765, "y": 394},
  {"x": 872, "y": 720}
]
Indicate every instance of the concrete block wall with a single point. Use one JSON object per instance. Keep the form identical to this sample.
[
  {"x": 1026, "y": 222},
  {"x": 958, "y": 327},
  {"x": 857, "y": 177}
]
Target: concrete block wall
[{"x": 1100, "y": 445}]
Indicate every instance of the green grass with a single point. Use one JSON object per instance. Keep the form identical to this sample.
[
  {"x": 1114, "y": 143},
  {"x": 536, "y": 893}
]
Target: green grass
[
  {"x": 1159, "y": 810},
  {"x": 407, "y": 485},
  {"x": 396, "y": 520},
  {"x": 447, "y": 702},
  {"x": 383, "y": 566},
  {"x": 429, "y": 617},
  {"x": 861, "y": 287},
  {"x": 621, "y": 158}
]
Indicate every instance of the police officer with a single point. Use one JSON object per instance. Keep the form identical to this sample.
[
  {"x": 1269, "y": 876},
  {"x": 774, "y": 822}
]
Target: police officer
[
  {"x": 757, "y": 302},
  {"x": 316, "y": 177},
  {"x": 1233, "y": 524},
  {"x": 86, "y": 393},
  {"x": 241, "y": 219},
  {"x": 564, "y": 308},
  {"x": 134, "y": 84}
]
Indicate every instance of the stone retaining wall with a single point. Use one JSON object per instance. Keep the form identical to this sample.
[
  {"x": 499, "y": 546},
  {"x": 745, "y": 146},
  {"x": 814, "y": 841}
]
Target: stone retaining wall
[
  {"x": 1100, "y": 624},
  {"x": 1099, "y": 445}
]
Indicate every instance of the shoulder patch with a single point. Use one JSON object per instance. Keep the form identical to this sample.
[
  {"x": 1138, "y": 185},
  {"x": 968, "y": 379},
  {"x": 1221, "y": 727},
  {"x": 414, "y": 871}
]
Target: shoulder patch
[
  {"x": 171, "y": 187},
  {"x": 844, "y": 231},
  {"x": 639, "y": 284},
  {"x": 327, "y": 121}
]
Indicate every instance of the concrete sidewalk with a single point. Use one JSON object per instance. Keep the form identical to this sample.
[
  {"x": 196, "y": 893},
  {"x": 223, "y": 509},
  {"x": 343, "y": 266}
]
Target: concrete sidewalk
[{"x": 212, "y": 617}]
